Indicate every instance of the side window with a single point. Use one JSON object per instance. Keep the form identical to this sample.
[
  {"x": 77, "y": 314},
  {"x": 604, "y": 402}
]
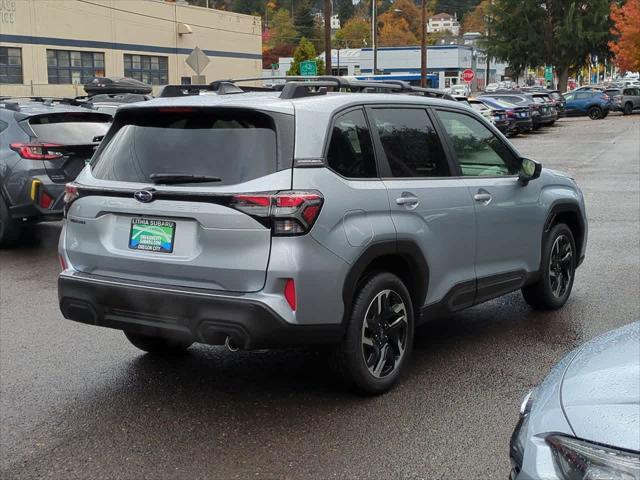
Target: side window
[
  {"x": 569, "y": 97},
  {"x": 583, "y": 95},
  {"x": 479, "y": 151},
  {"x": 351, "y": 151},
  {"x": 628, "y": 91},
  {"x": 410, "y": 143}
]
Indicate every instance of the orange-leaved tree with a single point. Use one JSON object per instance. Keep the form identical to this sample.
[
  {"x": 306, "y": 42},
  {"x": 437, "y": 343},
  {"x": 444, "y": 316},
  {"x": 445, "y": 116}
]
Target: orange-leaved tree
[{"x": 626, "y": 47}]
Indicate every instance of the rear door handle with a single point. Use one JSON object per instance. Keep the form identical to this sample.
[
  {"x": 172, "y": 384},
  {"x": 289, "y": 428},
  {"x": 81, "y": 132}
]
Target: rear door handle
[
  {"x": 482, "y": 197},
  {"x": 407, "y": 199}
]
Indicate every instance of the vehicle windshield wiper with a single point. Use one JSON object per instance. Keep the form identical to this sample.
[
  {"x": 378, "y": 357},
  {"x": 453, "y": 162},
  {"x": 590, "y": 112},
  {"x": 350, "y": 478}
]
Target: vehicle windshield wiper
[{"x": 168, "y": 178}]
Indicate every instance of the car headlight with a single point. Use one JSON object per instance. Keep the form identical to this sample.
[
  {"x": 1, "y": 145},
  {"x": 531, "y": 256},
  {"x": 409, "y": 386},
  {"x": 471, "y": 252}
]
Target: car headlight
[{"x": 576, "y": 459}]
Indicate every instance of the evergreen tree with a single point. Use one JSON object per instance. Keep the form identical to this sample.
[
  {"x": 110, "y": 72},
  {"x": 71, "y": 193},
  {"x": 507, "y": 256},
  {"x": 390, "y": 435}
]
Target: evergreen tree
[
  {"x": 344, "y": 9},
  {"x": 305, "y": 51},
  {"x": 561, "y": 33},
  {"x": 304, "y": 19}
]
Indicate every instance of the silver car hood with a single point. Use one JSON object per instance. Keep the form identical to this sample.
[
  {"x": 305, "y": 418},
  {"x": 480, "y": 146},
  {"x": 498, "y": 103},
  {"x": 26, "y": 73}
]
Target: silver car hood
[{"x": 600, "y": 391}]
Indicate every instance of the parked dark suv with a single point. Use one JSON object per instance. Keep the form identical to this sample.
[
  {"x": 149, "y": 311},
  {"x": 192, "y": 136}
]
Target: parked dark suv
[{"x": 43, "y": 145}]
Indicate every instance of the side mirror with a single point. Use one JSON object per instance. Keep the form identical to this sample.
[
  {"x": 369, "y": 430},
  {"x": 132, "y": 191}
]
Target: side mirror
[{"x": 529, "y": 170}]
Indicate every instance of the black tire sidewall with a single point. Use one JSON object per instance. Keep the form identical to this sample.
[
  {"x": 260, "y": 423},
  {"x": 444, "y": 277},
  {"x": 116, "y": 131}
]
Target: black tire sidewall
[
  {"x": 628, "y": 109},
  {"x": 356, "y": 369},
  {"x": 597, "y": 116},
  {"x": 9, "y": 228},
  {"x": 554, "y": 233}
]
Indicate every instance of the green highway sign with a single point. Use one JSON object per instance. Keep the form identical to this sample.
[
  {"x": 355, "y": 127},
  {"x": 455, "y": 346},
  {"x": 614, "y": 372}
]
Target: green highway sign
[
  {"x": 548, "y": 74},
  {"x": 308, "y": 68}
]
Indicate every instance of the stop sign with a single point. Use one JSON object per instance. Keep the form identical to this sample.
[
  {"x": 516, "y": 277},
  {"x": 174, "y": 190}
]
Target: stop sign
[{"x": 468, "y": 75}]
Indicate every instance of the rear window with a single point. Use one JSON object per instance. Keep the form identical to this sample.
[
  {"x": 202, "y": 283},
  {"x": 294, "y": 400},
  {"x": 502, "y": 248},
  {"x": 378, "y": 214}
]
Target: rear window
[
  {"x": 71, "y": 128},
  {"x": 235, "y": 146}
]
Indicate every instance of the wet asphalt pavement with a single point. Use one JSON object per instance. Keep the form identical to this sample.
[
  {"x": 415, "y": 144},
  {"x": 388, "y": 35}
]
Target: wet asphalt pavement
[{"x": 81, "y": 402}]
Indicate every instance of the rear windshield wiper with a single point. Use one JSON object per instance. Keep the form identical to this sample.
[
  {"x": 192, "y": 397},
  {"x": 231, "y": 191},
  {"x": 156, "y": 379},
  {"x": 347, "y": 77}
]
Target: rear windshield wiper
[{"x": 168, "y": 178}]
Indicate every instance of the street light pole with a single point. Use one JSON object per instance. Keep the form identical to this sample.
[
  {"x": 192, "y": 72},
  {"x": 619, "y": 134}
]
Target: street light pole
[
  {"x": 374, "y": 30},
  {"x": 423, "y": 46},
  {"x": 327, "y": 36}
]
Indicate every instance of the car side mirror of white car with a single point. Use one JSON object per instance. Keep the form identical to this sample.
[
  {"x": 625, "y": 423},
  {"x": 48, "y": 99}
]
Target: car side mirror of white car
[{"x": 529, "y": 170}]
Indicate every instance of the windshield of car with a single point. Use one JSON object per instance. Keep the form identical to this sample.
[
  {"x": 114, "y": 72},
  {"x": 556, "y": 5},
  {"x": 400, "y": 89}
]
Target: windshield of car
[{"x": 233, "y": 146}]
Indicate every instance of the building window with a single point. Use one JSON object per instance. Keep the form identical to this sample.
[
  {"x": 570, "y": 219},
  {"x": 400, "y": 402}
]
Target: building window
[
  {"x": 66, "y": 66},
  {"x": 147, "y": 69},
  {"x": 10, "y": 65}
]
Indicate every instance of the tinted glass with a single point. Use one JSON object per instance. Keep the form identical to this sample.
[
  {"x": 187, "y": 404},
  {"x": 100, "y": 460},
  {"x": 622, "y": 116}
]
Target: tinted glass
[
  {"x": 583, "y": 95},
  {"x": 479, "y": 151},
  {"x": 410, "y": 143},
  {"x": 73, "y": 128},
  {"x": 351, "y": 151},
  {"x": 234, "y": 146},
  {"x": 10, "y": 65}
]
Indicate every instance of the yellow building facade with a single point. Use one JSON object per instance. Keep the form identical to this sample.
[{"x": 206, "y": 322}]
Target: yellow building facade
[{"x": 50, "y": 47}]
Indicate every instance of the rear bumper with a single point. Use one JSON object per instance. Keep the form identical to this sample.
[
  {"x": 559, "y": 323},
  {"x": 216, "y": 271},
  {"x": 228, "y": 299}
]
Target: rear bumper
[
  {"x": 29, "y": 210},
  {"x": 192, "y": 314}
]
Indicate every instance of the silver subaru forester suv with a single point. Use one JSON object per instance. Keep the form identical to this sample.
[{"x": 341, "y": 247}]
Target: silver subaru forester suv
[{"x": 306, "y": 216}]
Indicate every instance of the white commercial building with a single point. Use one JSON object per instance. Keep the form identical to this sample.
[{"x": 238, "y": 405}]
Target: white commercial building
[{"x": 445, "y": 64}]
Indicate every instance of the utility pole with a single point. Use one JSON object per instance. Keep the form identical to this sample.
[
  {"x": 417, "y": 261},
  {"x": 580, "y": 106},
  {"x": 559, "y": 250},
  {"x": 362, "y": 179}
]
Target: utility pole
[
  {"x": 327, "y": 36},
  {"x": 374, "y": 34},
  {"x": 423, "y": 46}
]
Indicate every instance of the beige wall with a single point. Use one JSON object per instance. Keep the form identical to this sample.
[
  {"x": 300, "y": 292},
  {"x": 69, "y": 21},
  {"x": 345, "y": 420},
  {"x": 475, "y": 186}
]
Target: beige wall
[{"x": 232, "y": 41}]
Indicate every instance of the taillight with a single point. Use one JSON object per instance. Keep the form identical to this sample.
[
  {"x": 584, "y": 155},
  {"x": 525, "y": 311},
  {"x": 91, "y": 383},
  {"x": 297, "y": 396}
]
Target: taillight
[
  {"x": 511, "y": 113},
  {"x": 63, "y": 262},
  {"x": 605, "y": 96},
  {"x": 37, "y": 151},
  {"x": 290, "y": 212},
  {"x": 290, "y": 293}
]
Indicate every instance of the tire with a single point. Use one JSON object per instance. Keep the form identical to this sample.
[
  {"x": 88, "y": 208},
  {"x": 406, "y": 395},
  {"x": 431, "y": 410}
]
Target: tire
[
  {"x": 595, "y": 113},
  {"x": 158, "y": 345},
  {"x": 359, "y": 358},
  {"x": 10, "y": 230},
  {"x": 547, "y": 293},
  {"x": 628, "y": 108}
]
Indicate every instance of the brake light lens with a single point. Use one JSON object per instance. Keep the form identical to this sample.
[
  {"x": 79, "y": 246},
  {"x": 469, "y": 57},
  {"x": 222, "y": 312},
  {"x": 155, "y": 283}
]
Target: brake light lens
[
  {"x": 511, "y": 113},
  {"x": 290, "y": 293},
  {"x": 605, "y": 96},
  {"x": 37, "y": 151},
  {"x": 289, "y": 213}
]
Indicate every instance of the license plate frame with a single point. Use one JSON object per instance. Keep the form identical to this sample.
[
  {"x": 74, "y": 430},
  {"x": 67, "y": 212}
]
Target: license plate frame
[{"x": 152, "y": 235}]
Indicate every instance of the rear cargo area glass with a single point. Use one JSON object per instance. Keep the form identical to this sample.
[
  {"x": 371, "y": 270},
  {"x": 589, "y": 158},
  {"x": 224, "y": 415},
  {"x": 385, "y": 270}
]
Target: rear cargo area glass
[
  {"x": 234, "y": 146},
  {"x": 71, "y": 128}
]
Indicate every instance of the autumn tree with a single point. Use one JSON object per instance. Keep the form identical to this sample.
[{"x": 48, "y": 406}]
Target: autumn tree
[
  {"x": 626, "y": 29},
  {"x": 476, "y": 19},
  {"x": 355, "y": 33},
  {"x": 396, "y": 31},
  {"x": 305, "y": 51}
]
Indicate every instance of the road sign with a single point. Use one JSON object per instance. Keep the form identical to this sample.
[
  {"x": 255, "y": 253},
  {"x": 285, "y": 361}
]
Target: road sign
[
  {"x": 308, "y": 68},
  {"x": 468, "y": 75},
  {"x": 197, "y": 60},
  {"x": 548, "y": 74}
]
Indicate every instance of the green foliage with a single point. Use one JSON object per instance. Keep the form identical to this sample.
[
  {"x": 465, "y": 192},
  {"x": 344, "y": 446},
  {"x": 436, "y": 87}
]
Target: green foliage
[
  {"x": 355, "y": 33},
  {"x": 281, "y": 28},
  {"x": 305, "y": 51},
  {"x": 304, "y": 19},
  {"x": 344, "y": 9},
  {"x": 562, "y": 33}
]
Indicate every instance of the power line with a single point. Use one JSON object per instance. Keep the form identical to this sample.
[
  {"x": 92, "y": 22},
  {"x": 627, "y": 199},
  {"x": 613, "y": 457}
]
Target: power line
[{"x": 165, "y": 19}]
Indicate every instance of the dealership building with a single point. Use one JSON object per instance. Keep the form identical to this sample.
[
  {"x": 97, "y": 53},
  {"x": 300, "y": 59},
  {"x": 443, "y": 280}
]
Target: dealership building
[{"x": 52, "y": 47}]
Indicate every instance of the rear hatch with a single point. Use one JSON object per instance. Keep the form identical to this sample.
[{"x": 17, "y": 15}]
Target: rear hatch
[
  {"x": 181, "y": 197},
  {"x": 70, "y": 138}
]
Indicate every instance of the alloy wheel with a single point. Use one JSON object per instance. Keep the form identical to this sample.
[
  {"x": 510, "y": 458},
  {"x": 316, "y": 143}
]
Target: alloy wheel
[
  {"x": 560, "y": 266},
  {"x": 385, "y": 332}
]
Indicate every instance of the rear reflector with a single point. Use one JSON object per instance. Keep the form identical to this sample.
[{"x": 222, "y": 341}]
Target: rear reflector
[
  {"x": 46, "y": 200},
  {"x": 290, "y": 293}
]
